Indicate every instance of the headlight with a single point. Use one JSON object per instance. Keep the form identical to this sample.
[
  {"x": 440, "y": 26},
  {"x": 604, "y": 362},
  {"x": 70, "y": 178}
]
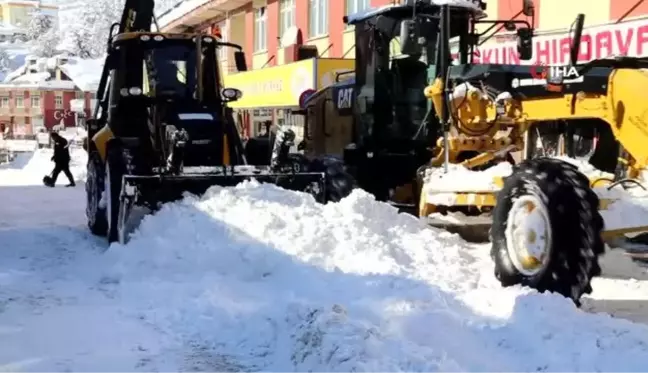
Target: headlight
[
  {"x": 145, "y": 37},
  {"x": 231, "y": 93},
  {"x": 135, "y": 91},
  {"x": 208, "y": 40},
  {"x": 158, "y": 38}
]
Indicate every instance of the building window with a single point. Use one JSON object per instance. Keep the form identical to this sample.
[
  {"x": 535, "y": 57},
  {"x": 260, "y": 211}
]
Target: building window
[
  {"x": 355, "y": 6},
  {"x": 260, "y": 29},
  {"x": 20, "y": 102},
  {"x": 286, "y": 16},
  {"x": 4, "y": 102},
  {"x": 35, "y": 102},
  {"x": 58, "y": 101},
  {"x": 318, "y": 18},
  {"x": 79, "y": 95}
]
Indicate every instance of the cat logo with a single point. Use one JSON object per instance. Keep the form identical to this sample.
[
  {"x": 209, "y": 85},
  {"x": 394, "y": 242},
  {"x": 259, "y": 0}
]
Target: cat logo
[{"x": 344, "y": 98}]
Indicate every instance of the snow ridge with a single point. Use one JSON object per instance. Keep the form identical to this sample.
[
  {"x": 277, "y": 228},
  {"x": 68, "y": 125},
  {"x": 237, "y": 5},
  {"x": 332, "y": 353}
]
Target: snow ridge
[
  {"x": 268, "y": 279},
  {"x": 258, "y": 278}
]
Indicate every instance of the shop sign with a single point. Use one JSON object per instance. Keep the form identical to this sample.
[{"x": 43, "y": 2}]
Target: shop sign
[
  {"x": 629, "y": 38},
  {"x": 329, "y": 68},
  {"x": 277, "y": 86}
]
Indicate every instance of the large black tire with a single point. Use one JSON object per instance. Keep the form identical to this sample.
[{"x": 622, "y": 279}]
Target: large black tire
[
  {"x": 258, "y": 151},
  {"x": 94, "y": 186},
  {"x": 339, "y": 182},
  {"x": 113, "y": 183},
  {"x": 575, "y": 226}
]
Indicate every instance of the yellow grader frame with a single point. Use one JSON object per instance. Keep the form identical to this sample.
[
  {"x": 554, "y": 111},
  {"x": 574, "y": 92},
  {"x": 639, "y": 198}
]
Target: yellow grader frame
[{"x": 476, "y": 113}]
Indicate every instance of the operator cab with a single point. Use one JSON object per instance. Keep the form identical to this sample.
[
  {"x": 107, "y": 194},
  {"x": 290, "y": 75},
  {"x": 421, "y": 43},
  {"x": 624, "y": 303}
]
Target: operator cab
[
  {"x": 176, "y": 91},
  {"x": 396, "y": 54}
]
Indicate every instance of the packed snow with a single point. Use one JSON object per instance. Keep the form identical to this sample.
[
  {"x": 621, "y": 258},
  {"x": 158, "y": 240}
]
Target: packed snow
[
  {"x": 259, "y": 278},
  {"x": 29, "y": 168},
  {"x": 627, "y": 207}
]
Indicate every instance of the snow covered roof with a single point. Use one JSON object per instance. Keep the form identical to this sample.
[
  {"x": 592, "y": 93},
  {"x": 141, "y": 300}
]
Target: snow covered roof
[
  {"x": 84, "y": 73},
  {"x": 55, "y": 84},
  {"x": 40, "y": 73},
  {"x": 33, "y": 77}
]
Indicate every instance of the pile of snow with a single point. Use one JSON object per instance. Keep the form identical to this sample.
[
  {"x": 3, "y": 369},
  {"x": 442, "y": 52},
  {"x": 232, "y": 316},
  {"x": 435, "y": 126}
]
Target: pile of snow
[
  {"x": 438, "y": 180},
  {"x": 30, "y": 167},
  {"x": 440, "y": 186},
  {"x": 260, "y": 278}
]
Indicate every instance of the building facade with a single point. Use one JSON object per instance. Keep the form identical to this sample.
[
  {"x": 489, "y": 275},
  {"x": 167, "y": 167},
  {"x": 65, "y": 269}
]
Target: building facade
[
  {"x": 291, "y": 46},
  {"x": 43, "y": 94},
  {"x": 278, "y": 35},
  {"x": 612, "y": 27},
  {"x": 19, "y": 12},
  {"x": 267, "y": 29}
]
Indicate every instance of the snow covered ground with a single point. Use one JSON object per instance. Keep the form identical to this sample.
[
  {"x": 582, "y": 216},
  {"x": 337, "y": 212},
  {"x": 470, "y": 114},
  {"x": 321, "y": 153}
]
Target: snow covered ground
[{"x": 259, "y": 278}]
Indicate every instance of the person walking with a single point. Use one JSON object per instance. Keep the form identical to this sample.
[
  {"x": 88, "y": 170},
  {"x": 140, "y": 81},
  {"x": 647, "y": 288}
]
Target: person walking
[{"x": 61, "y": 159}]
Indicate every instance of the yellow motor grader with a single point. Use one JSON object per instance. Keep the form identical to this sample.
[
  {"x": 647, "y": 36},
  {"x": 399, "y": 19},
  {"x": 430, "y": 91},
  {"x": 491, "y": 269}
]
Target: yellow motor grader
[
  {"x": 550, "y": 214},
  {"x": 461, "y": 142}
]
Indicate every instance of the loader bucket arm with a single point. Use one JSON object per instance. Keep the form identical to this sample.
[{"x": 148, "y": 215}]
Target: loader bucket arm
[{"x": 137, "y": 16}]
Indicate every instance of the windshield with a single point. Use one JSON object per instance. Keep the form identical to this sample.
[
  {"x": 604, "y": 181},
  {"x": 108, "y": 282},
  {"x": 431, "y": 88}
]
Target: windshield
[
  {"x": 171, "y": 71},
  {"x": 405, "y": 80},
  {"x": 409, "y": 102}
]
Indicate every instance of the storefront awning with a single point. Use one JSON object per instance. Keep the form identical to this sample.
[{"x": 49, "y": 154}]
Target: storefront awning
[{"x": 281, "y": 86}]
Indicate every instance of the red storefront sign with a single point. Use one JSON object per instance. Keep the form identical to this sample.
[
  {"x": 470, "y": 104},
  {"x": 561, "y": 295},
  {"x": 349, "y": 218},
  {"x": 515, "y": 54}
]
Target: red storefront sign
[
  {"x": 58, "y": 116},
  {"x": 628, "y": 38}
]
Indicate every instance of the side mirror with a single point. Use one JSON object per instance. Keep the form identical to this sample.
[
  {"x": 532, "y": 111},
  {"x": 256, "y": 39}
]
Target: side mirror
[
  {"x": 527, "y": 8},
  {"x": 409, "y": 38},
  {"x": 525, "y": 43},
  {"x": 578, "y": 33},
  {"x": 231, "y": 94},
  {"x": 239, "y": 59}
]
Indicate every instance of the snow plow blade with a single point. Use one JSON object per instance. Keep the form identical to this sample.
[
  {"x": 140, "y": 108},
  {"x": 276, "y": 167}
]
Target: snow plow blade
[
  {"x": 152, "y": 190},
  {"x": 471, "y": 228},
  {"x": 169, "y": 187}
]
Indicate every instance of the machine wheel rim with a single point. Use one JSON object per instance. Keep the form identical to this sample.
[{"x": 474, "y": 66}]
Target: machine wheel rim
[{"x": 529, "y": 235}]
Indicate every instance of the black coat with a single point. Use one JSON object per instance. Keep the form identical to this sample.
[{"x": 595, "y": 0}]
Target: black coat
[{"x": 61, "y": 151}]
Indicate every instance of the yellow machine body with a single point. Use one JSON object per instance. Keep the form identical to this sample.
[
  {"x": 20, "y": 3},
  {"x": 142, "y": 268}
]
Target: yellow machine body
[
  {"x": 100, "y": 140},
  {"x": 623, "y": 109}
]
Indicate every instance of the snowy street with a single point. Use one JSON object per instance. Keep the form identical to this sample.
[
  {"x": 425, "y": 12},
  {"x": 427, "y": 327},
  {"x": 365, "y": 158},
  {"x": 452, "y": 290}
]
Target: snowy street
[{"x": 259, "y": 278}]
